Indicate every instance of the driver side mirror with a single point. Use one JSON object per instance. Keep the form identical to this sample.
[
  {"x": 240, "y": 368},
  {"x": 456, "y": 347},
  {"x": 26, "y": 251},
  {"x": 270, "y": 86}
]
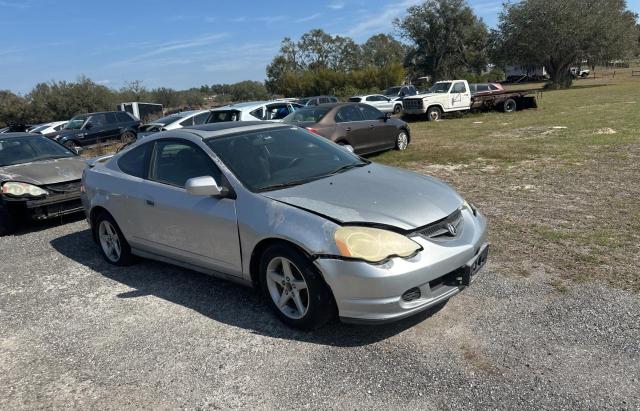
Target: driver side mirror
[{"x": 205, "y": 186}]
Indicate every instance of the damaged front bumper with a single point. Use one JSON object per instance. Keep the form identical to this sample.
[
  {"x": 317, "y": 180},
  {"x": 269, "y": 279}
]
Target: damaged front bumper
[
  {"x": 399, "y": 288},
  {"x": 52, "y": 206}
]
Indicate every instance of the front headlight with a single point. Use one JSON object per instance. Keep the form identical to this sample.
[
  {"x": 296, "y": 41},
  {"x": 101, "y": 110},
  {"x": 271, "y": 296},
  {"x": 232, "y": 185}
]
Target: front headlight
[
  {"x": 17, "y": 189},
  {"x": 373, "y": 244}
]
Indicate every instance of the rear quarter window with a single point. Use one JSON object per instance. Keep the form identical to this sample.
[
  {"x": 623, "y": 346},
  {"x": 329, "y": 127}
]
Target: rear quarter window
[{"x": 135, "y": 161}]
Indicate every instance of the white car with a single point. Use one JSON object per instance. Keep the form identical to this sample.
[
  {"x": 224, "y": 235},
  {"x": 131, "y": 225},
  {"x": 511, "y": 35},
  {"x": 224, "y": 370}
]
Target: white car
[
  {"x": 47, "y": 128},
  {"x": 274, "y": 110},
  {"x": 177, "y": 120},
  {"x": 382, "y": 103}
]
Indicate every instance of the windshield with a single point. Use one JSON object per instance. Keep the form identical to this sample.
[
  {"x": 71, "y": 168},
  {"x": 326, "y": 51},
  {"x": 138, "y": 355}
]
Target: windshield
[
  {"x": 19, "y": 150},
  {"x": 281, "y": 157},
  {"x": 440, "y": 88},
  {"x": 76, "y": 122},
  {"x": 304, "y": 101},
  {"x": 314, "y": 114},
  {"x": 392, "y": 91},
  {"x": 168, "y": 119},
  {"x": 38, "y": 128}
]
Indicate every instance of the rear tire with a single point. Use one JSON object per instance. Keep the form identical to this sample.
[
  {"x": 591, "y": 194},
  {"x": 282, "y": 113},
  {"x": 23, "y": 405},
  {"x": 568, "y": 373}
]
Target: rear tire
[
  {"x": 71, "y": 145},
  {"x": 434, "y": 114},
  {"x": 509, "y": 106},
  {"x": 111, "y": 242},
  {"x": 127, "y": 137},
  {"x": 294, "y": 289},
  {"x": 402, "y": 140}
]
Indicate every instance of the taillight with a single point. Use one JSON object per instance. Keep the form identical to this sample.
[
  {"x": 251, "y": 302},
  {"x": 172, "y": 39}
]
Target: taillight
[{"x": 313, "y": 130}]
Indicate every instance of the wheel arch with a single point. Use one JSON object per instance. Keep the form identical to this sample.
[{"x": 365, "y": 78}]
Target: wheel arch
[
  {"x": 261, "y": 247},
  {"x": 93, "y": 214}
]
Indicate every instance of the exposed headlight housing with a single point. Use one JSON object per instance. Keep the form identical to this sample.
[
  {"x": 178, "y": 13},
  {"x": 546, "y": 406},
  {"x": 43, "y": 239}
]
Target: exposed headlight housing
[
  {"x": 469, "y": 207},
  {"x": 18, "y": 189},
  {"x": 373, "y": 244}
]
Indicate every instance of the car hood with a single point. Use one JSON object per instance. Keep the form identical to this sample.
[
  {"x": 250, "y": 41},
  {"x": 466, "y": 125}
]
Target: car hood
[
  {"x": 374, "y": 194},
  {"x": 44, "y": 172}
]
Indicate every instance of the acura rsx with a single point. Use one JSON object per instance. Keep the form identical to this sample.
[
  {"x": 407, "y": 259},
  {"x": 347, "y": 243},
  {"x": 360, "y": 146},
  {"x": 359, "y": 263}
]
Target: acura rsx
[{"x": 319, "y": 230}]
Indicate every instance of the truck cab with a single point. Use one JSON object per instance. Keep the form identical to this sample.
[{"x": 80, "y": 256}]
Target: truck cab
[{"x": 443, "y": 97}]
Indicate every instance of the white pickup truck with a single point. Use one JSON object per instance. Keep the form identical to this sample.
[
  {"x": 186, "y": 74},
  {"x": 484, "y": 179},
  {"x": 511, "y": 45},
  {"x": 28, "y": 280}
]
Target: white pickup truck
[{"x": 455, "y": 95}]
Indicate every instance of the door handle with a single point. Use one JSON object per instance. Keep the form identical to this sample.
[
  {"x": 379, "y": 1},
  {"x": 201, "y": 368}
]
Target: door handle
[
  {"x": 348, "y": 129},
  {"x": 150, "y": 202},
  {"x": 371, "y": 126}
]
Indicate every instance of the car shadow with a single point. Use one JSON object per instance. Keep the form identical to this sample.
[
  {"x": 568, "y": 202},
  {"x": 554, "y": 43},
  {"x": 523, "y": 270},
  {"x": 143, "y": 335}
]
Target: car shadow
[
  {"x": 219, "y": 300},
  {"x": 27, "y": 226}
]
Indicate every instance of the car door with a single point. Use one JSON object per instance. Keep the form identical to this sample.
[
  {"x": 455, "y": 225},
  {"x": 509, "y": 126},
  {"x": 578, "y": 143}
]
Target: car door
[
  {"x": 382, "y": 133},
  {"x": 460, "y": 96},
  {"x": 112, "y": 126},
  {"x": 198, "y": 230},
  {"x": 95, "y": 129},
  {"x": 352, "y": 127}
]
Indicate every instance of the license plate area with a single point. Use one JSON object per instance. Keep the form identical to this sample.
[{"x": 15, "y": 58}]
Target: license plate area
[{"x": 474, "y": 265}]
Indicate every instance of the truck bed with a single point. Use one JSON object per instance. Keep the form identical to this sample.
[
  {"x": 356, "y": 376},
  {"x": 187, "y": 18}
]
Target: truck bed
[{"x": 492, "y": 100}]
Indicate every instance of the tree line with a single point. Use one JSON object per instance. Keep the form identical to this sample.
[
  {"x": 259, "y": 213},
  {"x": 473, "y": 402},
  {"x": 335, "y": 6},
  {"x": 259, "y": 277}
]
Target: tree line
[{"x": 436, "y": 39}]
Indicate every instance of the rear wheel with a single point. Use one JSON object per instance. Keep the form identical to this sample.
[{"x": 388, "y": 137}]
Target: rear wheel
[
  {"x": 111, "y": 242},
  {"x": 434, "y": 113},
  {"x": 294, "y": 289},
  {"x": 402, "y": 140},
  {"x": 509, "y": 106}
]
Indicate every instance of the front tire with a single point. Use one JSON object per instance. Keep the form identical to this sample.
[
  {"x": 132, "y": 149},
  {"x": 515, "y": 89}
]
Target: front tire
[
  {"x": 127, "y": 137},
  {"x": 7, "y": 221},
  {"x": 402, "y": 140},
  {"x": 434, "y": 114},
  {"x": 294, "y": 289},
  {"x": 397, "y": 109},
  {"x": 111, "y": 242}
]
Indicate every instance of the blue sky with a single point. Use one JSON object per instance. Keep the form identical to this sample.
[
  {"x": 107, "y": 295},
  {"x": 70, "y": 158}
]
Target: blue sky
[{"x": 175, "y": 44}]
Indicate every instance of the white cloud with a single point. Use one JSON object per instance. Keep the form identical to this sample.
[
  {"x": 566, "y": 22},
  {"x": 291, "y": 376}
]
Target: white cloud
[
  {"x": 380, "y": 21},
  {"x": 336, "y": 6},
  {"x": 308, "y": 18},
  {"x": 15, "y": 5}
]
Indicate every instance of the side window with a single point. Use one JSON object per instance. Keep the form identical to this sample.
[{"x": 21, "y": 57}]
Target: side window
[
  {"x": 483, "y": 87},
  {"x": 98, "y": 120},
  {"x": 349, "y": 113},
  {"x": 373, "y": 98},
  {"x": 333, "y": 100},
  {"x": 258, "y": 113},
  {"x": 277, "y": 111},
  {"x": 493, "y": 87},
  {"x": 58, "y": 128},
  {"x": 111, "y": 118},
  {"x": 123, "y": 117},
  {"x": 201, "y": 118},
  {"x": 323, "y": 100},
  {"x": 176, "y": 161},
  {"x": 186, "y": 123},
  {"x": 135, "y": 161},
  {"x": 458, "y": 88},
  {"x": 369, "y": 112}
]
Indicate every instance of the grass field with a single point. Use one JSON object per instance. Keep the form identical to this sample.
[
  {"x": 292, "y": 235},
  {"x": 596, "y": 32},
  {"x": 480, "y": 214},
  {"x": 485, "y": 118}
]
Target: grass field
[{"x": 559, "y": 184}]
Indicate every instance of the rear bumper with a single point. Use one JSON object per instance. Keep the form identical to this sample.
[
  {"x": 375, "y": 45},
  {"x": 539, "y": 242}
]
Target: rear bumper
[{"x": 367, "y": 293}]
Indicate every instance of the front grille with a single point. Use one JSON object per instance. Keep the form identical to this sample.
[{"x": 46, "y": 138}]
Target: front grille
[
  {"x": 411, "y": 294},
  {"x": 66, "y": 187},
  {"x": 413, "y": 103},
  {"x": 447, "y": 228}
]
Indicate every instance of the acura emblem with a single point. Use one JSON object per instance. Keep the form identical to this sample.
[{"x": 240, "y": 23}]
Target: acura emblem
[{"x": 452, "y": 229}]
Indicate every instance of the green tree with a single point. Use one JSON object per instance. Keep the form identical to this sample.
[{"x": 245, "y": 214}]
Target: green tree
[
  {"x": 447, "y": 38},
  {"x": 13, "y": 108},
  {"x": 559, "y": 33},
  {"x": 382, "y": 50}
]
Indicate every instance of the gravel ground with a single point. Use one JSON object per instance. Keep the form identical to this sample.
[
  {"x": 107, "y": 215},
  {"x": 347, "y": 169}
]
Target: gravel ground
[{"x": 77, "y": 332}]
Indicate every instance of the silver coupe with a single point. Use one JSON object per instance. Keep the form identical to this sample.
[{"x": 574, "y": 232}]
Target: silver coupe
[{"x": 319, "y": 230}]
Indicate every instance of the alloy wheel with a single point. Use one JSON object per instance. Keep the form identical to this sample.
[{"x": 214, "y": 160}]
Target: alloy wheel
[
  {"x": 287, "y": 288},
  {"x": 109, "y": 241},
  {"x": 402, "y": 141}
]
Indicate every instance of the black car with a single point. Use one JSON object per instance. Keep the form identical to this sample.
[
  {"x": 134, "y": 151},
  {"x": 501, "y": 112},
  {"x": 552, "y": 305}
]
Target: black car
[
  {"x": 39, "y": 179},
  {"x": 92, "y": 128}
]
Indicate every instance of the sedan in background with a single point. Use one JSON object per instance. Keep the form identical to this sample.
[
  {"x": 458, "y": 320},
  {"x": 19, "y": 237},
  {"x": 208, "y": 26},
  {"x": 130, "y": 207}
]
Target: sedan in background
[
  {"x": 47, "y": 128},
  {"x": 39, "y": 179},
  {"x": 274, "y": 110},
  {"x": 317, "y": 100},
  {"x": 382, "y": 103},
  {"x": 173, "y": 121},
  {"x": 318, "y": 230},
  {"x": 485, "y": 88},
  {"x": 360, "y": 126}
]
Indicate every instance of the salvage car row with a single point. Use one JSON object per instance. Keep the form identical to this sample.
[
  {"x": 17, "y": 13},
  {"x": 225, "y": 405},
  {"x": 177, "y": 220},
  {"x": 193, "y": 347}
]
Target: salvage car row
[{"x": 321, "y": 231}]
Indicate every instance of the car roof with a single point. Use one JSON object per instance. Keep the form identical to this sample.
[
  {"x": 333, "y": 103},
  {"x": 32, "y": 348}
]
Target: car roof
[
  {"x": 247, "y": 105},
  {"x": 20, "y": 134},
  {"x": 221, "y": 129}
]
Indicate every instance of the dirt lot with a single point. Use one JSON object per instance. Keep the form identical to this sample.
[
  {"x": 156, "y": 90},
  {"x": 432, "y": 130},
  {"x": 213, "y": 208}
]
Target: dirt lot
[{"x": 554, "y": 321}]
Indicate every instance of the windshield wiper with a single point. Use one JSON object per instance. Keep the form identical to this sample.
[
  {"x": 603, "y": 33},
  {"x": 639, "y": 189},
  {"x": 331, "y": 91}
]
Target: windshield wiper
[
  {"x": 289, "y": 183},
  {"x": 347, "y": 167}
]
